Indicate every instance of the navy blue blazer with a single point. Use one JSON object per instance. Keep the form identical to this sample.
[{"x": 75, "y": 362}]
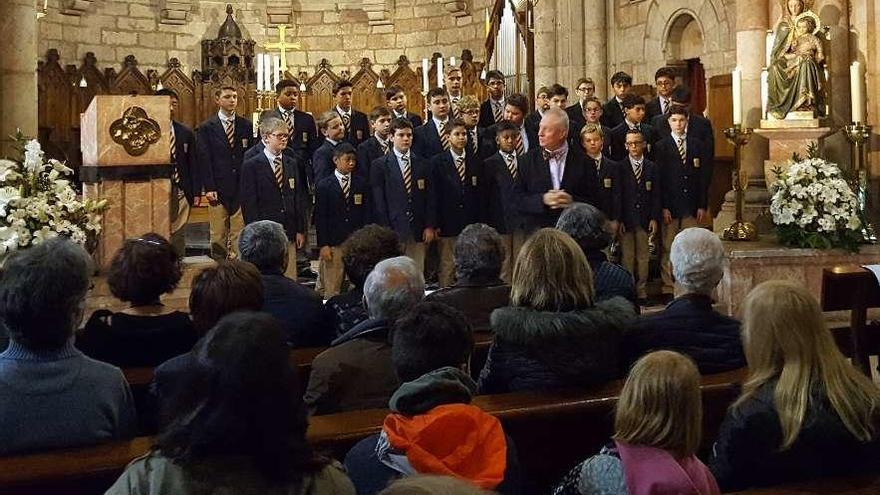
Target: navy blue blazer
[
  {"x": 502, "y": 203},
  {"x": 367, "y": 153},
  {"x": 335, "y": 217},
  {"x": 699, "y": 126},
  {"x": 261, "y": 198},
  {"x": 220, "y": 165},
  {"x": 358, "y": 130},
  {"x": 185, "y": 148},
  {"x": 608, "y": 183},
  {"x": 414, "y": 119},
  {"x": 617, "y": 145},
  {"x": 487, "y": 117},
  {"x": 653, "y": 109},
  {"x": 578, "y": 179},
  {"x": 576, "y": 113},
  {"x": 322, "y": 161},
  {"x": 641, "y": 199},
  {"x": 533, "y": 120},
  {"x": 458, "y": 204},
  {"x": 612, "y": 114},
  {"x": 407, "y": 214},
  {"x": 685, "y": 187},
  {"x": 304, "y": 140},
  {"x": 300, "y": 310},
  {"x": 426, "y": 139}
]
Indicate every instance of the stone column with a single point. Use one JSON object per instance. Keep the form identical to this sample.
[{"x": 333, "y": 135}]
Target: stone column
[
  {"x": 545, "y": 43},
  {"x": 752, "y": 23},
  {"x": 569, "y": 43},
  {"x": 595, "y": 44},
  {"x": 18, "y": 71}
]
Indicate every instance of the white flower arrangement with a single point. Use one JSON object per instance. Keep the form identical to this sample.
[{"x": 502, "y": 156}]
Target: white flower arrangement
[
  {"x": 38, "y": 202},
  {"x": 813, "y": 206}
]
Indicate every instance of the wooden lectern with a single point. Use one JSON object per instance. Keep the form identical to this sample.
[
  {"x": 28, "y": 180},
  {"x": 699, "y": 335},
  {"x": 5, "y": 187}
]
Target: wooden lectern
[{"x": 126, "y": 160}]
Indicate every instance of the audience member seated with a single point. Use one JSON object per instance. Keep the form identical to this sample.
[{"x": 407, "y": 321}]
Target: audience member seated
[
  {"x": 425, "y": 484},
  {"x": 356, "y": 372},
  {"x": 51, "y": 394},
  {"x": 804, "y": 412},
  {"x": 689, "y": 325},
  {"x": 588, "y": 226},
  {"x": 478, "y": 255},
  {"x": 361, "y": 251},
  {"x": 218, "y": 290},
  {"x": 553, "y": 335},
  {"x": 299, "y": 309},
  {"x": 657, "y": 427},
  {"x": 432, "y": 428},
  {"x": 239, "y": 424},
  {"x": 147, "y": 333}
]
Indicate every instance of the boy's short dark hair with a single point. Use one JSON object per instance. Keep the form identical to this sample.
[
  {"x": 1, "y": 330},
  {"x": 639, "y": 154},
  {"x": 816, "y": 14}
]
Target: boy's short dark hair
[
  {"x": 494, "y": 74},
  {"x": 557, "y": 90},
  {"x": 436, "y": 92},
  {"x": 621, "y": 77},
  {"x": 400, "y": 123},
  {"x": 665, "y": 72},
  {"x": 343, "y": 149},
  {"x": 428, "y": 337},
  {"x": 143, "y": 269},
  {"x": 634, "y": 131},
  {"x": 519, "y": 101},
  {"x": 392, "y": 91},
  {"x": 342, "y": 83},
  {"x": 221, "y": 89},
  {"x": 323, "y": 120},
  {"x": 459, "y": 122},
  {"x": 586, "y": 80},
  {"x": 681, "y": 95},
  {"x": 285, "y": 83},
  {"x": 630, "y": 100},
  {"x": 504, "y": 126},
  {"x": 167, "y": 92},
  {"x": 542, "y": 89},
  {"x": 678, "y": 110},
  {"x": 379, "y": 111}
]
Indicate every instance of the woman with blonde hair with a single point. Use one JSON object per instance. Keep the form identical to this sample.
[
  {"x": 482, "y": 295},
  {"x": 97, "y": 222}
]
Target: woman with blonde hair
[
  {"x": 553, "y": 335},
  {"x": 804, "y": 412},
  {"x": 658, "y": 424}
]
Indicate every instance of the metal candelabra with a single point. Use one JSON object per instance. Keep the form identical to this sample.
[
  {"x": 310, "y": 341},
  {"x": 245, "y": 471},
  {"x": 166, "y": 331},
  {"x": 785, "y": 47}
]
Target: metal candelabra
[
  {"x": 858, "y": 135},
  {"x": 739, "y": 230}
]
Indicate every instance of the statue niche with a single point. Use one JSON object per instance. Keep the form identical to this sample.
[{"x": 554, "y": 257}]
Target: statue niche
[{"x": 229, "y": 54}]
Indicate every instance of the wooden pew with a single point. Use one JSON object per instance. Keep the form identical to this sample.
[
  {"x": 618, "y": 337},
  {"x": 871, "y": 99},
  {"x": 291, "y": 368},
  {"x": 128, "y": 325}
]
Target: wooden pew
[
  {"x": 857, "y": 485},
  {"x": 854, "y": 289},
  {"x": 552, "y": 431}
]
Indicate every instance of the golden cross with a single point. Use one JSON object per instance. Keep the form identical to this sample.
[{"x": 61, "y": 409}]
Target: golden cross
[{"x": 282, "y": 45}]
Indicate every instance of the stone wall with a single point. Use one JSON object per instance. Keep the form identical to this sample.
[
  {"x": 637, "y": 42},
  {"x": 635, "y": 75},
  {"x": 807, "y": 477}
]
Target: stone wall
[{"x": 156, "y": 30}]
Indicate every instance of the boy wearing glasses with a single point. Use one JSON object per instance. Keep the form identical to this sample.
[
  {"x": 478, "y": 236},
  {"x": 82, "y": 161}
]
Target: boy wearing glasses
[
  {"x": 585, "y": 88},
  {"x": 664, "y": 81},
  {"x": 270, "y": 189},
  {"x": 641, "y": 211},
  {"x": 478, "y": 145},
  {"x": 492, "y": 110}
]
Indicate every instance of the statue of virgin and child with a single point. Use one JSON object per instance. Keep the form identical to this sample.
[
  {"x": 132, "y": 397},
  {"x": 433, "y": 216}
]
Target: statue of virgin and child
[{"x": 796, "y": 79}]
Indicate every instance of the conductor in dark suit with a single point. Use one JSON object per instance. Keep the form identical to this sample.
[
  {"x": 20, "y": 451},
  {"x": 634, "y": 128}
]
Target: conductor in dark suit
[
  {"x": 357, "y": 127},
  {"x": 403, "y": 195},
  {"x": 270, "y": 189},
  {"x": 433, "y": 137},
  {"x": 220, "y": 143},
  {"x": 183, "y": 189},
  {"x": 553, "y": 175}
]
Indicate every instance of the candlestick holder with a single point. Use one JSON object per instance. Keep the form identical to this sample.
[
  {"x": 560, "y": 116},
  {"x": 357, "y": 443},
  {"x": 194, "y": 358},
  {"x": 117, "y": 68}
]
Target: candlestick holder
[
  {"x": 858, "y": 134},
  {"x": 739, "y": 230}
]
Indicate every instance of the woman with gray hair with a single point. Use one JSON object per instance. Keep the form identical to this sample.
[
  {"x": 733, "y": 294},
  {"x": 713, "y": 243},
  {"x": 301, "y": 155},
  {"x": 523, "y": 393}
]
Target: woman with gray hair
[
  {"x": 689, "y": 324},
  {"x": 51, "y": 394},
  {"x": 478, "y": 256},
  {"x": 588, "y": 226}
]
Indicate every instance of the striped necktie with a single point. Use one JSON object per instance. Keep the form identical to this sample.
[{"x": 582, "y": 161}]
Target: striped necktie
[
  {"x": 475, "y": 144},
  {"x": 454, "y": 107},
  {"x": 279, "y": 172},
  {"x": 637, "y": 170},
  {"x": 682, "y": 152},
  {"x": 175, "y": 172},
  {"x": 346, "y": 187},
  {"x": 288, "y": 117},
  {"x": 384, "y": 145},
  {"x": 497, "y": 112},
  {"x": 459, "y": 166},
  {"x": 407, "y": 173},
  {"x": 520, "y": 147},
  {"x": 511, "y": 164},
  {"x": 444, "y": 136},
  {"x": 346, "y": 122},
  {"x": 230, "y": 131},
  {"x": 666, "y": 106}
]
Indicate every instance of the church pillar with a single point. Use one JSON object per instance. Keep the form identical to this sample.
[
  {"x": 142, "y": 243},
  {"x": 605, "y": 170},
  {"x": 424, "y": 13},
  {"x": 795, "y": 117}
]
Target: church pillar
[
  {"x": 545, "y": 43},
  {"x": 752, "y": 23},
  {"x": 595, "y": 50},
  {"x": 18, "y": 76}
]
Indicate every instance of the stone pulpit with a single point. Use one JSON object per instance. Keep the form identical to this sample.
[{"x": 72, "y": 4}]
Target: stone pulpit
[{"x": 126, "y": 160}]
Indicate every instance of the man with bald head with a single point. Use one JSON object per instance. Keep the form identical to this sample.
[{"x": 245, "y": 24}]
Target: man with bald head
[{"x": 553, "y": 174}]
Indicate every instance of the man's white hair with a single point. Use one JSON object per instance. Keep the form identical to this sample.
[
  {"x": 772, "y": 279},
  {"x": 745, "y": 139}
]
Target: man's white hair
[
  {"x": 697, "y": 258},
  {"x": 394, "y": 286}
]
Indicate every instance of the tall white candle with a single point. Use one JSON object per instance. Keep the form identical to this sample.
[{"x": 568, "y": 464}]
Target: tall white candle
[
  {"x": 267, "y": 71},
  {"x": 426, "y": 65},
  {"x": 260, "y": 72},
  {"x": 765, "y": 79},
  {"x": 452, "y": 61},
  {"x": 277, "y": 77},
  {"x": 855, "y": 90},
  {"x": 439, "y": 72},
  {"x": 737, "y": 97}
]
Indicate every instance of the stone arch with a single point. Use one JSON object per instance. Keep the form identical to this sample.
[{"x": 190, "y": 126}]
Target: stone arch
[
  {"x": 668, "y": 18},
  {"x": 684, "y": 37}
]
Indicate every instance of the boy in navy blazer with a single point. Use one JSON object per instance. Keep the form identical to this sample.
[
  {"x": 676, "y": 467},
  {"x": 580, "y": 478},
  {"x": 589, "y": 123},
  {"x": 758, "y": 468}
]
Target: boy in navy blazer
[
  {"x": 642, "y": 209},
  {"x": 433, "y": 137},
  {"x": 379, "y": 143},
  {"x": 395, "y": 99},
  {"x": 183, "y": 191},
  {"x": 664, "y": 81},
  {"x": 634, "y": 116},
  {"x": 357, "y": 128},
  {"x": 492, "y": 110},
  {"x": 502, "y": 207},
  {"x": 333, "y": 130},
  {"x": 608, "y": 174},
  {"x": 403, "y": 193},
  {"x": 458, "y": 185},
  {"x": 342, "y": 205},
  {"x": 685, "y": 173},
  {"x": 612, "y": 110},
  {"x": 220, "y": 145},
  {"x": 270, "y": 189}
]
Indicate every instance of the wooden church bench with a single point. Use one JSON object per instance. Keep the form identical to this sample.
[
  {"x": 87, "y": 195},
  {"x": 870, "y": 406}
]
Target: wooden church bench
[{"x": 854, "y": 289}]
